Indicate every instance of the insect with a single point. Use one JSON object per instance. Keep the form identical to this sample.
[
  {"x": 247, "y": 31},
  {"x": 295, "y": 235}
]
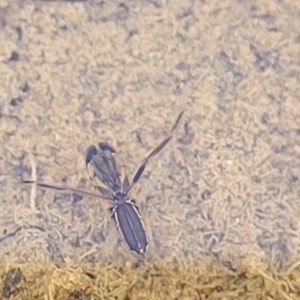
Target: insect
[{"x": 114, "y": 186}]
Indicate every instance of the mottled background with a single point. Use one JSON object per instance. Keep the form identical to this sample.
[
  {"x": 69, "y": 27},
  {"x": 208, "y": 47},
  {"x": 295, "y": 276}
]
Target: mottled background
[{"x": 76, "y": 73}]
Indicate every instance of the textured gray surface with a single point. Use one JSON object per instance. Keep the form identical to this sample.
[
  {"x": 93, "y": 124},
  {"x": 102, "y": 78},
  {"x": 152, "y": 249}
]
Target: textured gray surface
[{"x": 73, "y": 74}]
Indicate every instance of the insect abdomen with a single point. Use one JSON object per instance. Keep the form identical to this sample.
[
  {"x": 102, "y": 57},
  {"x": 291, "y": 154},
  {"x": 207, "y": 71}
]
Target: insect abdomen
[{"x": 131, "y": 227}]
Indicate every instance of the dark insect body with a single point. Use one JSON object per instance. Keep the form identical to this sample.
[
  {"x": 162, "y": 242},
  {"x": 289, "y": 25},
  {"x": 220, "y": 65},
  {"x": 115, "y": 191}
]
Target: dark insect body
[
  {"x": 114, "y": 186},
  {"x": 12, "y": 279}
]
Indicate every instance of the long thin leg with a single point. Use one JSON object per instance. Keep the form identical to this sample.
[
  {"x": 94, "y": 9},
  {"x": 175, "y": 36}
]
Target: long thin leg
[
  {"x": 155, "y": 151},
  {"x": 46, "y": 186}
]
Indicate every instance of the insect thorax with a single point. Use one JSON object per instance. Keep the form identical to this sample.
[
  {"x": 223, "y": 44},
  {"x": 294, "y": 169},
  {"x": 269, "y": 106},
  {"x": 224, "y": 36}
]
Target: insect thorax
[{"x": 120, "y": 196}]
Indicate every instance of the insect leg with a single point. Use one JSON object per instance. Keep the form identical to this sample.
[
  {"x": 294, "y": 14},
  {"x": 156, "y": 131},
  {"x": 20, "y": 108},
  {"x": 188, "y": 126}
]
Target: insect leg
[
  {"x": 92, "y": 151},
  {"x": 155, "y": 151},
  {"x": 46, "y": 186}
]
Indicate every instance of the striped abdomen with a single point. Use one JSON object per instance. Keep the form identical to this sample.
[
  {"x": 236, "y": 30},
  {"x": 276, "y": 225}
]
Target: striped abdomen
[{"x": 130, "y": 226}]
